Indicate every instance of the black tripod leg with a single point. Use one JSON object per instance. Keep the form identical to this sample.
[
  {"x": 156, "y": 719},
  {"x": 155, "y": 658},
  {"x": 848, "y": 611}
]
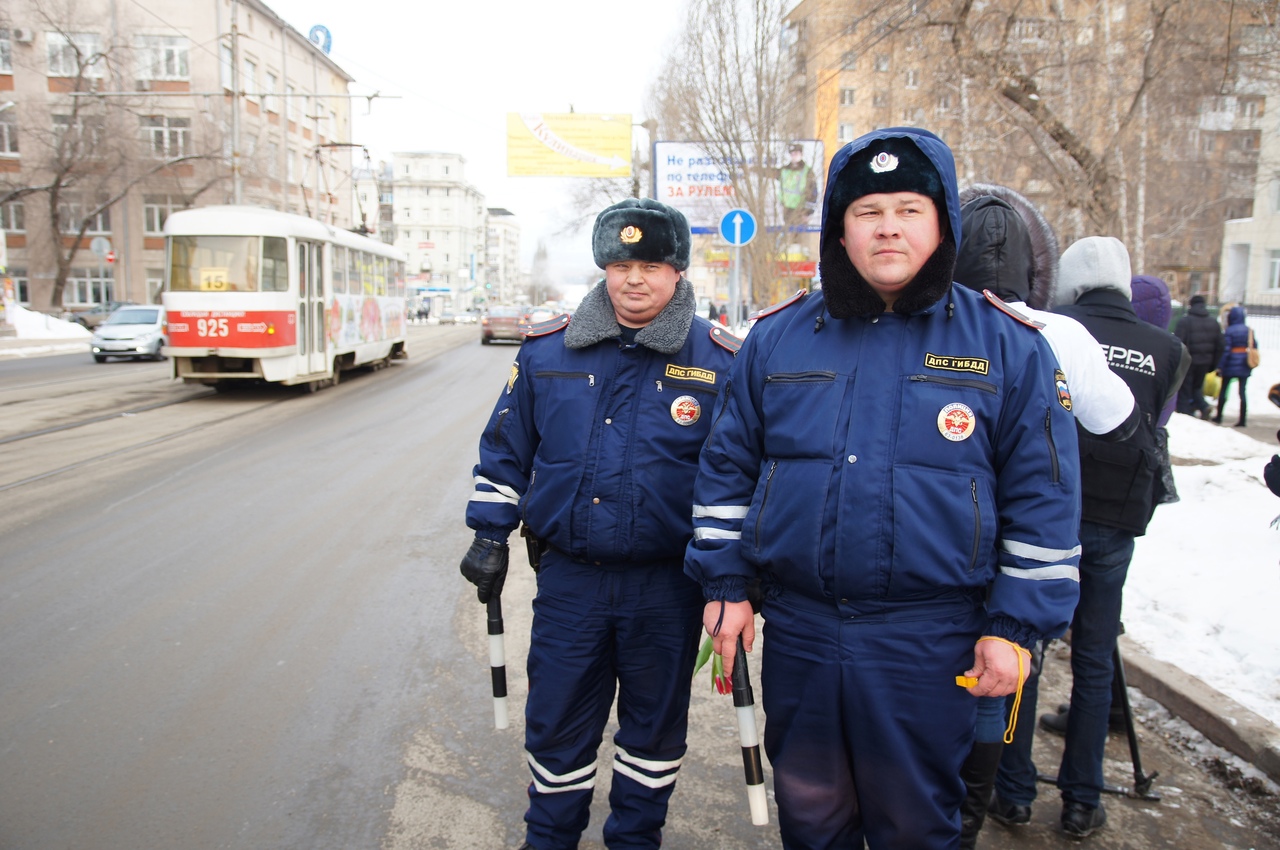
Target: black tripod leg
[{"x": 1141, "y": 782}]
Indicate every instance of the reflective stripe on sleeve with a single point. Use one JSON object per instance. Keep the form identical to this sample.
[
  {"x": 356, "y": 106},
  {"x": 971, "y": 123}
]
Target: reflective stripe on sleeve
[
  {"x": 716, "y": 534},
  {"x": 1037, "y": 553},
  {"x": 1053, "y": 571},
  {"x": 500, "y": 492},
  {"x": 720, "y": 511}
]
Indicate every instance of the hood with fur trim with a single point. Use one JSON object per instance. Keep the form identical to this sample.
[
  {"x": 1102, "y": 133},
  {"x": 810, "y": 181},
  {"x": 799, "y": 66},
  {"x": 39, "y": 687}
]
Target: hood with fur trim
[
  {"x": 1008, "y": 247},
  {"x": 844, "y": 291}
]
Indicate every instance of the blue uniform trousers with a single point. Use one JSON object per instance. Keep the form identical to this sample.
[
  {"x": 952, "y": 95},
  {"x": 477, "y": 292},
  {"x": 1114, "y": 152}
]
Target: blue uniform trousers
[
  {"x": 865, "y": 726},
  {"x": 633, "y": 628}
]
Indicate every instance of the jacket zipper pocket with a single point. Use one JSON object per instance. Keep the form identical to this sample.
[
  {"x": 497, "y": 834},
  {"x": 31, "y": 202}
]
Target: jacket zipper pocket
[
  {"x": 768, "y": 482},
  {"x": 977, "y": 523},
  {"x": 1053, "y": 449},
  {"x": 681, "y": 386},
  {"x": 728, "y": 385},
  {"x": 497, "y": 429},
  {"x": 591, "y": 379},
  {"x": 800, "y": 377},
  {"x": 985, "y": 386},
  {"x": 533, "y": 476}
]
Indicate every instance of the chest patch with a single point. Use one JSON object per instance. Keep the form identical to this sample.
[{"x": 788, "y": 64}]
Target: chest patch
[
  {"x": 686, "y": 410},
  {"x": 956, "y": 422},
  {"x": 690, "y": 373},
  {"x": 976, "y": 365},
  {"x": 1060, "y": 384}
]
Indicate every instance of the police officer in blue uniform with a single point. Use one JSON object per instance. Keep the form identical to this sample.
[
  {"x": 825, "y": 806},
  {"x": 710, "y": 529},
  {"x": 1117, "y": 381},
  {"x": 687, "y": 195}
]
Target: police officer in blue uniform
[
  {"x": 593, "y": 444},
  {"x": 895, "y": 461}
]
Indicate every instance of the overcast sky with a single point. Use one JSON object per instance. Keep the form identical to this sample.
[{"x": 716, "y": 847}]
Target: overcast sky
[{"x": 459, "y": 68}]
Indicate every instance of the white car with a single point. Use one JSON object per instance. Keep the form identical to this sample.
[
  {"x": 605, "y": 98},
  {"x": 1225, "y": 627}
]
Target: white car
[{"x": 134, "y": 331}]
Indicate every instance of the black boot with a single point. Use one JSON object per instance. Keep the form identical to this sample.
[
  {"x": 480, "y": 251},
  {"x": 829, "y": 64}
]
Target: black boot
[{"x": 979, "y": 775}]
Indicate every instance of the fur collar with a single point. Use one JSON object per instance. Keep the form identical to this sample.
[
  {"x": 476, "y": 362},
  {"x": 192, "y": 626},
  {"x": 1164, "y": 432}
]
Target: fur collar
[
  {"x": 595, "y": 321},
  {"x": 848, "y": 295}
]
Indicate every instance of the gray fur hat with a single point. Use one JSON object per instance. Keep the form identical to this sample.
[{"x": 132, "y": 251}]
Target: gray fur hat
[{"x": 641, "y": 229}]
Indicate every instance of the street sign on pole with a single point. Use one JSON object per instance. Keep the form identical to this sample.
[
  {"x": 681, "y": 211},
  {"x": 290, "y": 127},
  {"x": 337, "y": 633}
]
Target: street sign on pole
[
  {"x": 738, "y": 227},
  {"x": 100, "y": 246}
]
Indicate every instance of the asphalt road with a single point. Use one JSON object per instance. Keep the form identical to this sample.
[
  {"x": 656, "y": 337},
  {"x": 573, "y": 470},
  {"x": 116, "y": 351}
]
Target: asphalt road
[{"x": 235, "y": 621}]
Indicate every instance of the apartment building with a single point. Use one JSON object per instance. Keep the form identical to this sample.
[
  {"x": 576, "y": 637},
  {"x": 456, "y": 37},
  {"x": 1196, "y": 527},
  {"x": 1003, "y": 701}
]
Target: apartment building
[
  {"x": 502, "y": 256},
  {"x": 132, "y": 111},
  {"x": 1251, "y": 246},
  {"x": 1184, "y": 166},
  {"x": 440, "y": 222}
]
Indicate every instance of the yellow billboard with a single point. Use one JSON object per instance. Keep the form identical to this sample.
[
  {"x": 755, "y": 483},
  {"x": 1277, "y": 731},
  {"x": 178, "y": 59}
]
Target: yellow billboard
[{"x": 568, "y": 145}]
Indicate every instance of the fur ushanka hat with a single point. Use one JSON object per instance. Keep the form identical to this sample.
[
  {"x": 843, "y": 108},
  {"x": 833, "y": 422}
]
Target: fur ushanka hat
[{"x": 641, "y": 229}]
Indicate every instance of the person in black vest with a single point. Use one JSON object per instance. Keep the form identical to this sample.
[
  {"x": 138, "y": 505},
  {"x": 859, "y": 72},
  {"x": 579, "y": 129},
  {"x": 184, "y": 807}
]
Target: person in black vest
[
  {"x": 1202, "y": 336},
  {"x": 1118, "y": 480}
]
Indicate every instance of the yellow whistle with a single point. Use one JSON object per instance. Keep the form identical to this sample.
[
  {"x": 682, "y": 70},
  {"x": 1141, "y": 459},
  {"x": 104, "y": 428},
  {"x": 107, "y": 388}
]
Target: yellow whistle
[{"x": 966, "y": 681}]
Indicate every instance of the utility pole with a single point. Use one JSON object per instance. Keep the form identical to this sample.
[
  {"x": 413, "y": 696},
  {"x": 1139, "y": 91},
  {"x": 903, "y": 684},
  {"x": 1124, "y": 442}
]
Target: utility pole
[{"x": 237, "y": 190}]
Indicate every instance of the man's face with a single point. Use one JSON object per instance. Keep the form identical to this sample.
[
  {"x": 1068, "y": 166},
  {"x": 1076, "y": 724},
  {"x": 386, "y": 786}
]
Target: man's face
[
  {"x": 888, "y": 237},
  {"x": 639, "y": 290},
  {"x": 796, "y": 156}
]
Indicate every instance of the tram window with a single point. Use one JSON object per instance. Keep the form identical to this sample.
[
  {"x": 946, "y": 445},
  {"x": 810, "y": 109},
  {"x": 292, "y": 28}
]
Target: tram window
[
  {"x": 366, "y": 272},
  {"x": 339, "y": 269},
  {"x": 353, "y": 272},
  {"x": 275, "y": 264},
  {"x": 213, "y": 263},
  {"x": 399, "y": 278},
  {"x": 380, "y": 276}
]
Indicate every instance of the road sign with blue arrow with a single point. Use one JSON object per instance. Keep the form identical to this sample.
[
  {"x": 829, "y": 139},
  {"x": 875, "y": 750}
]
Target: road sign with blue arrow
[{"x": 738, "y": 227}]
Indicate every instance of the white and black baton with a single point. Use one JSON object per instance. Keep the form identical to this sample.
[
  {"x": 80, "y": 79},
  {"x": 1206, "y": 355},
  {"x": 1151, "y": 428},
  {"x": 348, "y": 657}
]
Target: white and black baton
[
  {"x": 497, "y": 662},
  {"x": 744, "y": 703}
]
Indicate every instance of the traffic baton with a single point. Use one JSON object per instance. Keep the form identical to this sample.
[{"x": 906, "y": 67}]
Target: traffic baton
[
  {"x": 744, "y": 703},
  {"x": 497, "y": 662}
]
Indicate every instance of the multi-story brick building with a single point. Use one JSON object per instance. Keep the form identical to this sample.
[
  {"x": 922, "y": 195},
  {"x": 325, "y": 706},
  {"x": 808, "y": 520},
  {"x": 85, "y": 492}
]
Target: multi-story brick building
[{"x": 129, "y": 112}]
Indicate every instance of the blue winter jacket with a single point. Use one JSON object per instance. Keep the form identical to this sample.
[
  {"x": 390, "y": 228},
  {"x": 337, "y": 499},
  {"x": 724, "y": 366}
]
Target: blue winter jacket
[
  {"x": 872, "y": 464},
  {"x": 1234, "y": 362},
  {"x": 596, "y": 447}
]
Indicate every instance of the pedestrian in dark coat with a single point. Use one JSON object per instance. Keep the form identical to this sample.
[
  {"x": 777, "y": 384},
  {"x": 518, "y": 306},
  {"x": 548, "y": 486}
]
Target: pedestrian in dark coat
[
  {"x": 1234, "y": 363},
  {"x": 1202, "y": 336}
]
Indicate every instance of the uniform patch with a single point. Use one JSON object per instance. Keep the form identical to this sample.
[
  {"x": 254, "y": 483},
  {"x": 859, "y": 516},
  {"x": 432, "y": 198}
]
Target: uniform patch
[
  {"x": 1064, "y": 394},
  {"x": 956, "y": 422},
  {"x": 515, "y": 373},
  {"x": 976, "y": 365},
  {"x": 686, "y": 410},
  {"x": 690, "y": 373}
]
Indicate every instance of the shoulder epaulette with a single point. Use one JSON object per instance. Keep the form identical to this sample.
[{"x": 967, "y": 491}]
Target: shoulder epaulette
[
  {"x": 781, "y": 305},
  {"x": 994, "y": 301},
  {"x": 550, "y": 326},
  {"x": 725, "y": 340}
]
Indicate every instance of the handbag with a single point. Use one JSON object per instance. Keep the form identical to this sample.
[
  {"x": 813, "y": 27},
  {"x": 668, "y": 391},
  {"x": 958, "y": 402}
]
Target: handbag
[
  {"x": 1253, "y": 356},
  {"x": 1212, "y": 385}
]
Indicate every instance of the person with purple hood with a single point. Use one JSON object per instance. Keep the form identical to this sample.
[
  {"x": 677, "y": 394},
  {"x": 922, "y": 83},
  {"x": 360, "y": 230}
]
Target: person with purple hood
[{"x": 1154, "y": 305}]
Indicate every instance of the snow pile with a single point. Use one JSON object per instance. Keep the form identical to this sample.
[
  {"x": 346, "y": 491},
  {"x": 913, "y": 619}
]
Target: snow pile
[{"x": 32, "y": 325}]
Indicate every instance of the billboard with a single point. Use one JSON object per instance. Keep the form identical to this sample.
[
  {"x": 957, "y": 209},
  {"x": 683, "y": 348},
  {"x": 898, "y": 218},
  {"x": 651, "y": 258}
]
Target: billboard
[
  {"x": 568, "y": 145},
  {"x": 700, "y": 183}
]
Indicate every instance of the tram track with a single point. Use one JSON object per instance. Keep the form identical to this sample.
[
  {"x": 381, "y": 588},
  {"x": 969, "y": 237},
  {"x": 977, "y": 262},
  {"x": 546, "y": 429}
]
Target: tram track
[{"x": 93, "y": 420}]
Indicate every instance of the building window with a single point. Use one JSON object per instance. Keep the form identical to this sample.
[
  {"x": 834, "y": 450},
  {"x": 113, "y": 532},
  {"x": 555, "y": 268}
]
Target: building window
[
  {"x": 943, "y": 105},
  {"x": 290, "y": 167},
  {"x": 155, "y": 285},
  {"x": 162, "y": 57},
  {"x": 224, "y": 66},
  {"x": 846, "y": 97},
  {"x": 249, "y": 85},
  {"x": 156, "y": 210},
  {"x": 13, "y": 217},
  {"x": 89, "y": 286},
  {"x": 1250, "y": 107},
  {"x": 1275, "y": 194},
  {"x": 8, "y": 133},
  {"x": 273, "y": 160},
  {"x": 74, "y": 54},
  {"x": 166, "y": 137},
  {"x": 880, "y": 100},
  {"x": 1273, "y": 270},
  {"x": 269, "y": 99},
  {"x": 290, "y": 108},
  {"x": 76, "y": 135},
  {"x": 21, "y": 286},
  {"x": 73, "y": 212},
  {"x": 845, "y": 133},
  {"x": 882, "y": 62},
  {"x": 6, "y": 52},
  {"x": 913, "y": 78}
]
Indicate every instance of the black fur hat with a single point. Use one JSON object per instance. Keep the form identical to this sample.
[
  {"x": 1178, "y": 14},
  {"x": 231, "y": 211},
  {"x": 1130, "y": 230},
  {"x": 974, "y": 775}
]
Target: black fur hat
[
  {"x": 886, "y": 165},
  {"x": 641, "y": 229}
]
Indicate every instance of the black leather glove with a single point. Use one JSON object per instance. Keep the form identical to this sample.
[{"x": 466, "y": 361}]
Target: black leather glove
[
  {"x": 485, "y": 566},
  {"x": 1272, "y": 475}
]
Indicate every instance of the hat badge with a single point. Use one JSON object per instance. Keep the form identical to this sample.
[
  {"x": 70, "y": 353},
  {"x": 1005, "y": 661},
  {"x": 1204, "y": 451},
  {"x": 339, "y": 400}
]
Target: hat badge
[
  {"x": 630, "y": 234},
  {"x": 884, "y": 161}
]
